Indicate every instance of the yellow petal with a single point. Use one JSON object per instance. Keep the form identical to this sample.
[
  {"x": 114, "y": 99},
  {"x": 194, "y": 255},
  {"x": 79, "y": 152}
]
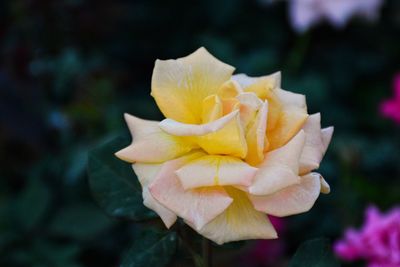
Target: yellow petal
[
  {"x": 292, "y": 200},
  {"x": 213, "y": 170},
  {"x": 240, "y": 221},
  {"x": 230, "y": 89},
  {"x": 151, "y": 144},
  {"x": 292, "y": 116},
  {"x": 279, "y": 168},
  {"x": 259, "y": 85},
  {"x": 146, "y": 174},
  {"x": 212, "y": 109},
  {"x": 179, "y": 86},
  {"x": 197, "y": 206},
  {"x": 256, "y": 135},
  {"x": 229, "y": 140},
  {"x": 184, "y": 129}
]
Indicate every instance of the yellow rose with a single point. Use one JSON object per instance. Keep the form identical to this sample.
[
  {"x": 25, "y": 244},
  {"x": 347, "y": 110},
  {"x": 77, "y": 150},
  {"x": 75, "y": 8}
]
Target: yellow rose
[{"x": 231, "y": 149}]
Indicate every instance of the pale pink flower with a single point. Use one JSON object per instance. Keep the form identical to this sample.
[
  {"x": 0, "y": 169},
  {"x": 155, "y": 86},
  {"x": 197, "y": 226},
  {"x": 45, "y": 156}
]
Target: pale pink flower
[
  {"x": 306, "y": 13},
  {"x": 390, "y": 108},
  {"x": 377, "y": 242}
]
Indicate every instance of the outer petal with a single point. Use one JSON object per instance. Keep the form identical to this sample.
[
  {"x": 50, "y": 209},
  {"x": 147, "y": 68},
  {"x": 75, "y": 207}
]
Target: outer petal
[
  {"x": 314, "y": 148},
  {"x": 294, "y": 199},
  {"x": 280, "y": 168},
  {"x": 198, "y": 206},
  {"x": 326, "y": 134},
  {"x": 256, "y": 135},
  {"x": 146, "y": 174},
  {"x": 180, "y": 85},
  {"x": 292, "y": 117},
  {"x": 151, "y": 144},
  {"x": 213, "y": 170},
  {"x": 240, "y": 221},
  {"x": 182, "y": 129},
  {"x": 230, "y": 140}
]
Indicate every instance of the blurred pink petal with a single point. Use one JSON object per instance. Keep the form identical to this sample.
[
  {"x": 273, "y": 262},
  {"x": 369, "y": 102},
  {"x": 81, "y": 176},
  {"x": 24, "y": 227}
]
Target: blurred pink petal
[
  {"x": 390, "y": 108},
  {"x": 377, "y": 242}
]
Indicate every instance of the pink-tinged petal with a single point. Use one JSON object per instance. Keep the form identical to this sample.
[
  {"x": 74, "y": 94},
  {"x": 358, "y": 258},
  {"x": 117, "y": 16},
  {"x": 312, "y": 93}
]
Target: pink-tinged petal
[
  {"x": 292, "y": 200},
  {"x": 230, "y": 89},
  {"x": 150, "y": 144},
  {"x": 314, "y": 148},
  {"x": 176, "y": 128},
  {"x": 325, "y": 188},
  {"x": 214, "y": 170},
  {"x": 291, "y": 99},
  {"x": 274, "y": 80},
  {"x": 279, "y": 168},
  {"x": 179, "y": 86},
  {"x": 249, "y": 105},
  {"x": 240, "y": 221},
  {"x": 146, "y": 174},
  {"x": 197, "y": 206},
  {"x": 255, "y": 136},
  {"x": 326, "y": 135}
]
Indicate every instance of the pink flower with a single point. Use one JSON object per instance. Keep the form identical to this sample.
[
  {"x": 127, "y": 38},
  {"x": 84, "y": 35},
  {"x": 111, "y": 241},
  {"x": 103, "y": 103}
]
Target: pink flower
[
  {"x": 377, "y": 242},
  {"x": 390, "y": 108},
  {"x": 306, "y": 13}
]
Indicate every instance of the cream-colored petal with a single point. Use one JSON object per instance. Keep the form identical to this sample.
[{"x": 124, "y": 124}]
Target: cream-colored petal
[
  {"x": 291, "y": 99},
  {"x": 229, "y": 140},
  {"x": 313, "y": 149},
  {"x": 230, "y": 89},
  {"x": 240, "y": 221},
  {"x": 179, "y": 86},
  {"x": 214, "y": 170},
  {"x": 325, "y": 188},
  {"x": 279, "y": 168},
  {"x": 197, "y": 206},
  {"x": 183, "y": 129},
  {"x": 326, "y": 134},
  {"x": 150, "y": 144},
  {"x": 256, "y": 135},
  {"x": 294, "y": 199},
  {"x": 146, "y": 174}
]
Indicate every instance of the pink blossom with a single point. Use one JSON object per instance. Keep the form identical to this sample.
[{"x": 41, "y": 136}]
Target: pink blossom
[
  {"x": 390, "y": 108},
  {"x": 377, "y": 242},
  {"x": 306, "y": 13}
]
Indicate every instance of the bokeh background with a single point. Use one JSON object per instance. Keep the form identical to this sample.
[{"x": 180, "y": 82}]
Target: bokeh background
[{"x": 69, "y": 69}]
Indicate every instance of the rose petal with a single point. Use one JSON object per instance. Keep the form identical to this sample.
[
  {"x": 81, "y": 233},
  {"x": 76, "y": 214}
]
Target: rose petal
[
  {"x": 198, "y": 206},
  {"x": 240, "y": 221},
  {"x": 256, "y": 135},
  {"x": 179, "y": 86},
  {"x": 314, "y": 147},
  {"x": 280, "y": 168},
  {"x": 146, "y": 174},
  {"x": 249, "y": 105},
  {"x": 212, "y": 170},
  {"x": 150, "y": 144},
  {"x": 212, "y": 109},
  {"x": 183, "y": 129},
  {"x": 326, "y": 135},
  {"x": 230, "y": 89},
  {"x": 294, "y": 199}
]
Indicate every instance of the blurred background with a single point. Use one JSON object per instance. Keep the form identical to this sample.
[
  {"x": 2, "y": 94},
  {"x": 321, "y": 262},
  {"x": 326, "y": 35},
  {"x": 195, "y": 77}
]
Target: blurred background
[{"x": 69, "y": 69}]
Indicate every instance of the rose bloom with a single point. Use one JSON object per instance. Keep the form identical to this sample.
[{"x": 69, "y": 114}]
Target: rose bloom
[
  {"x": 231, "y": 149},
  {"x": 306, "y": 13},
  {"x": 377, "y": 242}
]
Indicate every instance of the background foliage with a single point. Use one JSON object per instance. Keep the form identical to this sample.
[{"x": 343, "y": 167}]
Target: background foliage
[{"x": 69, "y": 69}]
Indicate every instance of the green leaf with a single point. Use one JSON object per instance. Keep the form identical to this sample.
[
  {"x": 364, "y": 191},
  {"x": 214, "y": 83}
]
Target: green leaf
[
  {"x": 80, "y": 221},
  {"x": 114, "y": 184},
  {"x": 152, "y": 249},
  {"x": 314, "y": 253}
]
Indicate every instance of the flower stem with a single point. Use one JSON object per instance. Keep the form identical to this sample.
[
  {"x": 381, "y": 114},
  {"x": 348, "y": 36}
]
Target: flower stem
[{"x": 207, "y": 252}]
